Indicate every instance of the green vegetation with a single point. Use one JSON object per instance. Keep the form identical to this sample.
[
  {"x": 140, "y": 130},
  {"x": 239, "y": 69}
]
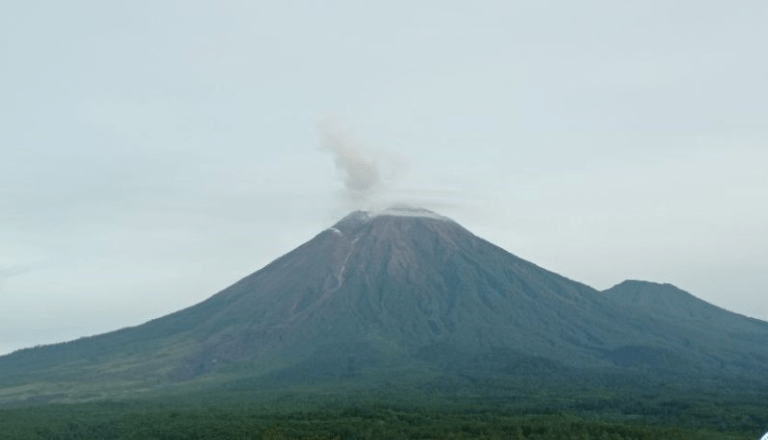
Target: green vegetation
[
  {"x": 553, "y": 406},
  {"x": 240, "y": 416}
]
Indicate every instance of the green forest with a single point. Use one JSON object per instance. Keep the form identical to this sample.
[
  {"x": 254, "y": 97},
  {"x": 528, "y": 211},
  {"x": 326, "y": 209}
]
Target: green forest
[{"x": 242, "y": 417}]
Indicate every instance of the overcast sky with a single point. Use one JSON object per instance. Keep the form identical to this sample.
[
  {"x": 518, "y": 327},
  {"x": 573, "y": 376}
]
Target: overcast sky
[{"x": 154, "y": 152}]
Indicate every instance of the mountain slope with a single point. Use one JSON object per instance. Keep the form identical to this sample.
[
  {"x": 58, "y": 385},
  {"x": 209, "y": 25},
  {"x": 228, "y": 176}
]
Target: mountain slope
[
  {"x": 729, "y": 342},
  {"x": 668, "y": 300},
  {"x": 402, "y": 295}
]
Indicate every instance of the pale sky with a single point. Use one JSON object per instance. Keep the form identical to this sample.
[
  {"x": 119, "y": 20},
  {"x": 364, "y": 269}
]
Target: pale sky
[{"x": 154, "y": 152}]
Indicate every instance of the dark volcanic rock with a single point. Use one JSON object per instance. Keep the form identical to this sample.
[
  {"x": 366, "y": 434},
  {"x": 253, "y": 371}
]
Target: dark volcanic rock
[{"x": 410, "y": 294}]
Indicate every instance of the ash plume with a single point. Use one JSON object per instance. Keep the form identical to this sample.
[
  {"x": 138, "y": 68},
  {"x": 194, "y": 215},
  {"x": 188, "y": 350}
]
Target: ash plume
[{"x": 366, "y": 172}]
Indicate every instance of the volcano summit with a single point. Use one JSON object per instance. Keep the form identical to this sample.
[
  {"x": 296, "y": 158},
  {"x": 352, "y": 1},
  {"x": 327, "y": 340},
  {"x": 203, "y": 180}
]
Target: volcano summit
[{"x": 403, "y": 298}]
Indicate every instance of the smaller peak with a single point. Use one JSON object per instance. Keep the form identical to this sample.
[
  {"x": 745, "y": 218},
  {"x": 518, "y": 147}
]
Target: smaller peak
[
  {"x": 639, "y": 288},
  {"x": 642, "y": 283}
]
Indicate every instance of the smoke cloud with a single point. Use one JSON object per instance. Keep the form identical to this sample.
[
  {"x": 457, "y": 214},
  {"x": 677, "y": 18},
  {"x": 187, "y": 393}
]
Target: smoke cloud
[
  {"x": 369, "y": 176},
  {"x": 367, "y": 172}
]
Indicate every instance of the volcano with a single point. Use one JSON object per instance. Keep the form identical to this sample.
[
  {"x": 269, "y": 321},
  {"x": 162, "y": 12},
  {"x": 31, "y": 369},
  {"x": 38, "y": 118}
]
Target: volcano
[{"x": 402, "y": 297}]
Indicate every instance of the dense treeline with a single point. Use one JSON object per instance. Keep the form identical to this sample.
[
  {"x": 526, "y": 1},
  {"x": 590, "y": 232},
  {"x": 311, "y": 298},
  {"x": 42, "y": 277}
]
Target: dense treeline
[{"x": 245, "y": 420}]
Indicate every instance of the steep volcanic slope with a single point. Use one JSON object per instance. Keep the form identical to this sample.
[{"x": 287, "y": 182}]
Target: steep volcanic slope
[
  {"x": 404, "y": 285},
  {"x": 401, "y": 293}
]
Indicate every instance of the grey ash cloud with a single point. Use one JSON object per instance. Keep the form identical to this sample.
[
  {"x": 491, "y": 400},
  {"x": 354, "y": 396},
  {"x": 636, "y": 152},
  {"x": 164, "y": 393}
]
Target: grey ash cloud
[{"x": 367, "y": 172}]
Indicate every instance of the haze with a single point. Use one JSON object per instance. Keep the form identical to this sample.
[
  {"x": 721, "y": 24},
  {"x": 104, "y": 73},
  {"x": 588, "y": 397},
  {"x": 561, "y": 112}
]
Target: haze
[{"x": 152, "y": 153}]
